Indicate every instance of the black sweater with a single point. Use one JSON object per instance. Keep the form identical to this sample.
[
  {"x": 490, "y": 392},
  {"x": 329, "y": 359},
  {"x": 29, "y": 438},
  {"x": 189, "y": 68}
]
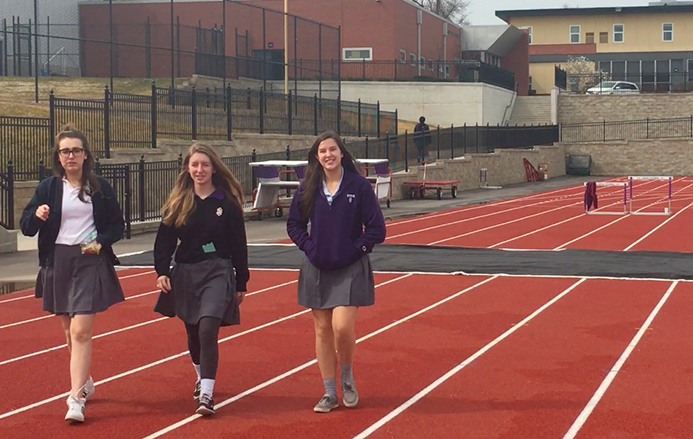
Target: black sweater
[
  {"x": 217, "y": 220},
  {"x": 108, "y": 218}
]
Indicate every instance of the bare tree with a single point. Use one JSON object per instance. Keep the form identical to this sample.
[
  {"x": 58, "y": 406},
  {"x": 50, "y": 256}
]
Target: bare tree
[
  {"x": 582, "y": 73},
  {"x": 454, "y": 10}
]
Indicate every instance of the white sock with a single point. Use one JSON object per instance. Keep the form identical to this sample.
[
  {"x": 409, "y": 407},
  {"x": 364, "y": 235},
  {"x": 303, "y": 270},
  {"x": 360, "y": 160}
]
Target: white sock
[
  {"x": 207, "y": 386},
  {"x": 197, "y": 370}
]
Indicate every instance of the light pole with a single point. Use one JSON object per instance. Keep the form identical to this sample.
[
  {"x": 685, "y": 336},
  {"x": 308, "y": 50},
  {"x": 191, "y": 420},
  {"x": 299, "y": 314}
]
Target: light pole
[{"x": 286, "y": 47}]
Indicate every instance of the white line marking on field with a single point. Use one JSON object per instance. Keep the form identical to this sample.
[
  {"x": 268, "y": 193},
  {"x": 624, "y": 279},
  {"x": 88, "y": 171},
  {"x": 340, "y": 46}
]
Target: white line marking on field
[
  {"x": 587, "y": 411},
  {"x": 116, "y": 331},
  {"x": 312, "y": 362},
  {"x": 387, "y": 418},
  {"x": 175, "y": 356}
]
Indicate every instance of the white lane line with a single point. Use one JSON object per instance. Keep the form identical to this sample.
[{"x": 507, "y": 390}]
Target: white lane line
[
  {"x": 411, "y": 401},
  {"x": 120, "y": 278},
  {"x": 541, "y": 229},
  {"x": 312, "y": 362},
  {"x": 173, "y": 357},
  {"x": 464, "y": 209},
  {"x": 543, "y": 212},
  {"x": 611, "y": 374},
  {"x": 656, "y": 228},
  {"x": 138, "y": 325},
  {"x": 9, "y": 325}
]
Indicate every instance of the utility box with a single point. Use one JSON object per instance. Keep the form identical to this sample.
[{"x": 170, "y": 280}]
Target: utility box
[{"x": 543, "y": 171}]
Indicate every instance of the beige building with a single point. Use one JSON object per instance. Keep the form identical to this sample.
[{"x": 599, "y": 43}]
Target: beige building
[{"x": 649, "y": 45}]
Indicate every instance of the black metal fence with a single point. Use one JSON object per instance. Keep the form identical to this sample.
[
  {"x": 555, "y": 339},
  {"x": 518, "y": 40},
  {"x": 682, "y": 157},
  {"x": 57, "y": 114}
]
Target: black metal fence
[
  {"x": 122, "y": 120},
  {"x": 655, "y": 82},
  {"x": 225, "y": 39},
  {"x": 628, "y": 130},
  {"x": 143, "y": 187},
  {"x": 431, "y": 70}
]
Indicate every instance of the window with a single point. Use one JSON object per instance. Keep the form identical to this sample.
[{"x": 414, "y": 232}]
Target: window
[
  {"x": 589, "y": 37},
  {"x": 357, "y": 54},
  {"x": 618, "y": 33},
  {"x": 667, "y": 32},
  {"x": 430, "y": 64},
  {"x": 603, "y": 37},
  {"x": 412, "y": 59},
  {"x": 690, "y": 69},
  {"x": 575, "y": 34},
  {"x": 422, "y": 62},
  {"x": 529, "y": 33},
  {"x": 402, "y": 56},
  {"x": 530, "y": 82}
]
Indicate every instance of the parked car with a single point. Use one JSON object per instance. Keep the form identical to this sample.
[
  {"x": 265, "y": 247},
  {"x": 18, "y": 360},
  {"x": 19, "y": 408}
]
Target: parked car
[{"x": 613, "y": 88}]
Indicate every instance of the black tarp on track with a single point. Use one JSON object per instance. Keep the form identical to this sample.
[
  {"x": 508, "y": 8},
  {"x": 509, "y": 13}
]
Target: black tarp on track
[{"x": 437, "y": 259}]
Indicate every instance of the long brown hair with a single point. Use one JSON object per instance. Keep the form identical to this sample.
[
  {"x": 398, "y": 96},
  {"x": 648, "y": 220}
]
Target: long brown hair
[
  {"x": 181, "y": 202},
  {"x": 89, "y": 184},
  {"x": 315, "y": 174}
]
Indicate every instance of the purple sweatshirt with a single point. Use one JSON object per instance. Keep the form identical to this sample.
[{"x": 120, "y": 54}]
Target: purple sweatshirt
[{"x": 342, "y": 233}]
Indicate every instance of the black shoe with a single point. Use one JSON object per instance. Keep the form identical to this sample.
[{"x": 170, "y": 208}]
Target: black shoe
[
  {"x": 205, "y": 405},
  {"x": 196, "y": 392}
]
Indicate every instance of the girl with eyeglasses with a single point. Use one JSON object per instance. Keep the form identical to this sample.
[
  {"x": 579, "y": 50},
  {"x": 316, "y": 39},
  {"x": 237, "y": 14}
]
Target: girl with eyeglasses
[{"x": 78, "y": 219}]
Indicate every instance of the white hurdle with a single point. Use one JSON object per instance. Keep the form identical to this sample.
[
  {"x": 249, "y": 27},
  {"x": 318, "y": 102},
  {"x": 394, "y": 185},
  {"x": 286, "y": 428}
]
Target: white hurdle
[
  {"x": 624, "y": 201},
  {"x": 668, "y": 179}
]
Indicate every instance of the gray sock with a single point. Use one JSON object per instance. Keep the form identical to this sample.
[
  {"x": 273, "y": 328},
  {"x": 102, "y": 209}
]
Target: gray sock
[
  {"x": 330, "y": 387},
  {"x": 346, "y": 373}
]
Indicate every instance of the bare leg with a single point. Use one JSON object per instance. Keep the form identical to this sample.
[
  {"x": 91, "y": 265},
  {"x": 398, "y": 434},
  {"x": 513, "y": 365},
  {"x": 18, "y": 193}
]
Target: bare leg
[
  {"x": 65, "y": 322},
  {"x": 343, "y": 323},
  {"x": 80, "y": 358},
  {"x": 324, "y": 343}
]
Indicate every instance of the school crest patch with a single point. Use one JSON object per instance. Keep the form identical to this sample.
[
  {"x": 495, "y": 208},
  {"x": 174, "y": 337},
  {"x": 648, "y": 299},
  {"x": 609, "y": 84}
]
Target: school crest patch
[
  {"x": 351, "y": 197},
  {"x": 220, "y": 211}
]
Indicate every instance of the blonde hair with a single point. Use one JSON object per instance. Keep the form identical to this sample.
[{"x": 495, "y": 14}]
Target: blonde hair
[{"x": 181, "y": 202}]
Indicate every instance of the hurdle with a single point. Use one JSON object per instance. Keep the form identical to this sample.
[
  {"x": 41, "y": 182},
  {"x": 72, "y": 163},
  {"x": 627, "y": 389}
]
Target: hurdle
[
  {"x": 483, "y": 182},
  {"x": 623, "y": 202},
  {"x": 667, "y": 209}
]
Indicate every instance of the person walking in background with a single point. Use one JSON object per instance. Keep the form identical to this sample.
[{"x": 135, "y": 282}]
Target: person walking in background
[
  {"x": 336, "y": 277},
  {"x": 208, "y": 282},
  {"x": 77, "y": 217},
  {"x": 422, "y": 138}
]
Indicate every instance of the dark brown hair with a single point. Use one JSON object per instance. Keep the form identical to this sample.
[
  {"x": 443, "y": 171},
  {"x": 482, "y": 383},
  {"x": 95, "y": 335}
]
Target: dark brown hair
[
  {"x": 181, "y": 202},
  {"x": 315, "y": 174},
  {"x": 89, "y": 184}
]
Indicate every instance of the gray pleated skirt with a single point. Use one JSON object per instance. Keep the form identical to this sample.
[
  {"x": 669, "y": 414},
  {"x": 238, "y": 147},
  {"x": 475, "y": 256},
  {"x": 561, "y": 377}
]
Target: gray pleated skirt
[
  {"x": 349, "y": 286},
  {"x": 78, "y": 283},
  {"x": 201, "y": 289}
]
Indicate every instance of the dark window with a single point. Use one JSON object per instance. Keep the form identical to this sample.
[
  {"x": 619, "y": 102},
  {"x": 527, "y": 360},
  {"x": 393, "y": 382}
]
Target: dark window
[
  {"x": 603, "y": 37},
  {"x": 589, "y": 37}
]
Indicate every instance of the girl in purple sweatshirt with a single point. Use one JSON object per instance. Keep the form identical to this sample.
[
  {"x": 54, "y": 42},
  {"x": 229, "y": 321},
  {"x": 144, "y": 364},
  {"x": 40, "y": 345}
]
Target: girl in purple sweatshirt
[{"x": 336, "y": 276}]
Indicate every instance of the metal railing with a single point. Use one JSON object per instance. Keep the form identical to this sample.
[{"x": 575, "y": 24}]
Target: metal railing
[{"x": 604, "y": 131}]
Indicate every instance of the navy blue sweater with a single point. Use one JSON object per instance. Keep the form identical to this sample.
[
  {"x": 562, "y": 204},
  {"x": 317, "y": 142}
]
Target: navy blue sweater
[
  {"x": 107, "y": 218},
  {"x": 342, "y": 233}
]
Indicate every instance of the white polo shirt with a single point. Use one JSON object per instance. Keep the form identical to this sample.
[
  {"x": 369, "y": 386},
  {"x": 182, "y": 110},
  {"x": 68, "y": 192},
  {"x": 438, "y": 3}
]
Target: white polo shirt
[{"x": 77, "y": 220}]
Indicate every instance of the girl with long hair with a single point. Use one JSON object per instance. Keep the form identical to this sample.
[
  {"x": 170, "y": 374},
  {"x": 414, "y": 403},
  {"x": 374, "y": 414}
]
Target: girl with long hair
[
  {"x": 208, "y": 281},
  {"x": 78, "y": 219},
  {"x": 336, "y": 277}
]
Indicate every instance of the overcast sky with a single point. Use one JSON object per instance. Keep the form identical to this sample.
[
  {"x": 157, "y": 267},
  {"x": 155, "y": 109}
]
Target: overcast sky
[{"x": 484, "y": 11}]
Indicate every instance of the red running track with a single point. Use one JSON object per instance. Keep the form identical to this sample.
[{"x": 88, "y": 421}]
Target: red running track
[
  {"x": 534, "y": 350},
  {"x": 555, "y": 220}
]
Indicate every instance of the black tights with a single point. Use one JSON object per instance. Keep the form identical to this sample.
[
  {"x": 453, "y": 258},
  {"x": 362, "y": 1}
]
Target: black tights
[{"x": 203, "y": 347}]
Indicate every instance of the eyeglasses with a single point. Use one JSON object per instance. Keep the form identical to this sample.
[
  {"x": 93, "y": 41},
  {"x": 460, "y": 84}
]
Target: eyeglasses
[{"x": 65, "y": 152}]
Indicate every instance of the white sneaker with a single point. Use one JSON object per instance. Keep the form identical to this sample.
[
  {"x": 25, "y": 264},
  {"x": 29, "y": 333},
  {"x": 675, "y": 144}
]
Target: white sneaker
[
  {"x": 88, "y": 390},
  {"x": 75, "y": 409}
]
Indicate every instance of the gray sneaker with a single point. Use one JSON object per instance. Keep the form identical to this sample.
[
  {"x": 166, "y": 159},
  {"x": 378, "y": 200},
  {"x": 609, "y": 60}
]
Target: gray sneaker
[
  {"x": 350, "y": 396},
  {"x": 326, "y": 403}
]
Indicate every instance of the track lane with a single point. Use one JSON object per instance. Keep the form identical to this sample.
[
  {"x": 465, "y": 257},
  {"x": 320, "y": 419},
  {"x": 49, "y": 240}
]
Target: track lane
[
  {"x": 389, "y": 367},
  {"x": 534, "y": 383}
]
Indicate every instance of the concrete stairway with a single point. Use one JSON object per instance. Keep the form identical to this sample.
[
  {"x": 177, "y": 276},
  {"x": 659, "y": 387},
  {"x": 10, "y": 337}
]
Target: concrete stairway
[{"x": 531, "y": 110}]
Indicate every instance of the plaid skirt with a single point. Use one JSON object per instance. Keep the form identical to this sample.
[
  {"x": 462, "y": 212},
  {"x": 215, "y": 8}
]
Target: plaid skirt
[
  {"x": 78, "y": 283},
  {"x": 352, "y": 285}
]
